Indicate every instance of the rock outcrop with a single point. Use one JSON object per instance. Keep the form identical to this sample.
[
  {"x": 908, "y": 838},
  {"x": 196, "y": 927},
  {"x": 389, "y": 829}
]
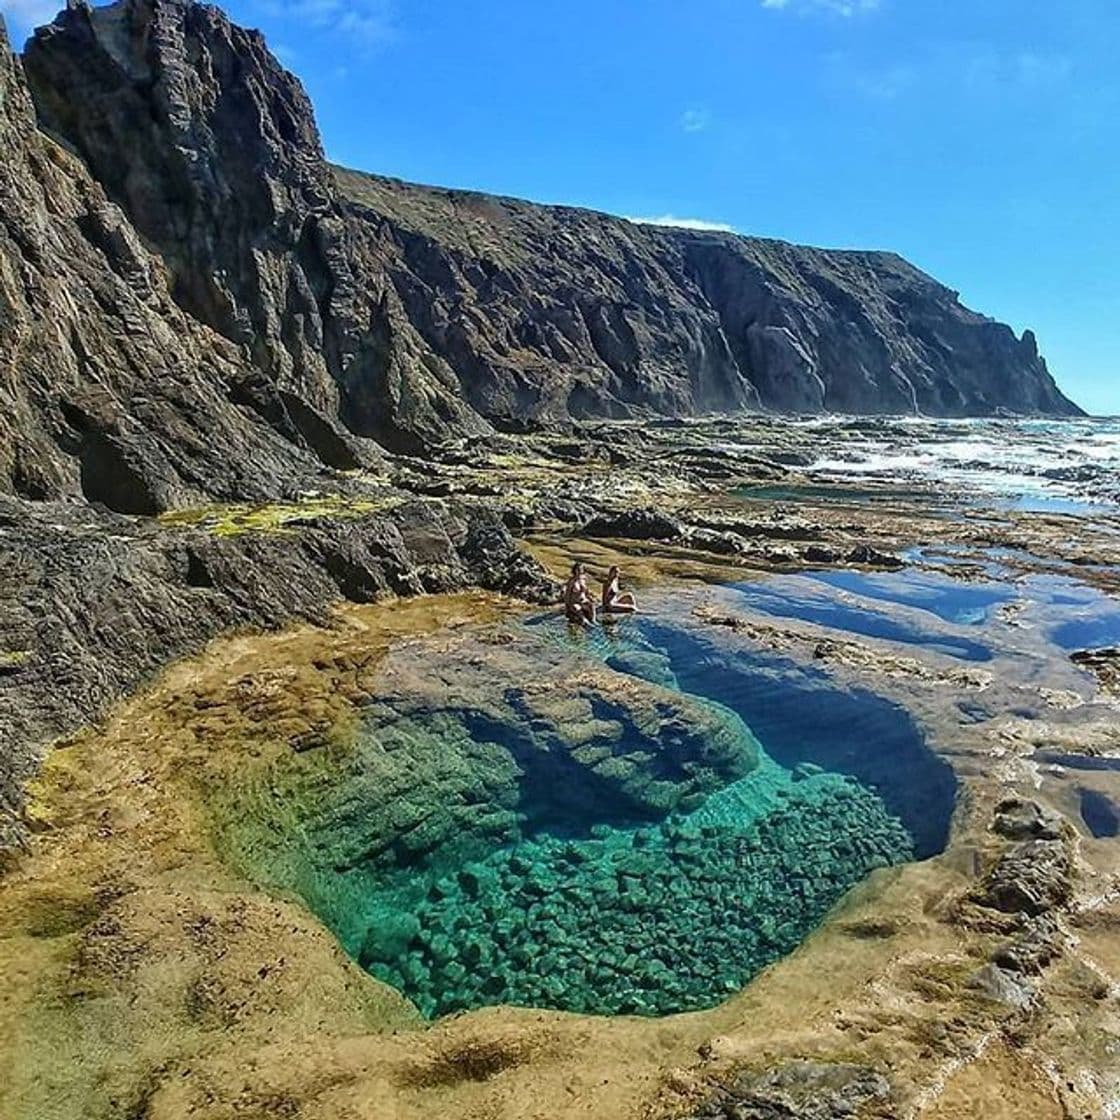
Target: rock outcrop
[
  {"x": 547, "y": 311},
  {"x": 224, "y": 313},
  {"x": 94, "y": 604},
  {"x": 108, "y": 389}
]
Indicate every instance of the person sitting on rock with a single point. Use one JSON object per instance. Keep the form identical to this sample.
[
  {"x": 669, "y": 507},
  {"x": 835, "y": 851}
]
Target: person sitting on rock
[
  {"x": 578, "y": 604},
  {"x": 615, "y": 600}
]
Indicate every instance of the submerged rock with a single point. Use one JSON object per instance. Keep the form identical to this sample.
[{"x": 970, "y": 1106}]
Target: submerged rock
[
  {"x": 643, "y": 922},
  {"x": 471, "y": 744}
]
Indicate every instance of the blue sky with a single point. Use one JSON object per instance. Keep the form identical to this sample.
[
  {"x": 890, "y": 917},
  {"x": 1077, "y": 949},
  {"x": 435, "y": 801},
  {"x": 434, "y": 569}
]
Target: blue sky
[{"x": 979, "y": 138}]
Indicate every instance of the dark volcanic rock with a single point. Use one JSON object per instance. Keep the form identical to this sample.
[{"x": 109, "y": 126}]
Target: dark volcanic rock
[
  {"x": 570, "y": 312},
  {"x": 1036, "y": 945},
  {"x": 225, "y": 175},
  {"x": 107, "y": 388},
  {"x": 1034, "y": 877},
  {"x": 94, "y": 604},
  {"x": 635, "y": 525},
  {"x": 299, "y": 313},
  {"x": 1020, "y": 819}
]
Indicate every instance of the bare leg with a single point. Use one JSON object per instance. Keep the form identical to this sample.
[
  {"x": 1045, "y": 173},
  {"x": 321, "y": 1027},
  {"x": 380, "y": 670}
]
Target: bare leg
[{"x": 623, "y": 604}]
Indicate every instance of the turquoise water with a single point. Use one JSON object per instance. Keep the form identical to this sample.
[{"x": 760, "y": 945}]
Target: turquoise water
[
  {"x": 804, "y": 719},
  {"x": 670, "y": 916},
  {"x": 624, "y": 820},
  {"x": 644, "y": 922}
]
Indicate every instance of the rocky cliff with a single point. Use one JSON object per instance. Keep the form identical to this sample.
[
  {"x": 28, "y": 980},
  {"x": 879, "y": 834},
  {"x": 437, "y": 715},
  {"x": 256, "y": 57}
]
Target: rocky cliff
[{"x": 197, "y": 303}]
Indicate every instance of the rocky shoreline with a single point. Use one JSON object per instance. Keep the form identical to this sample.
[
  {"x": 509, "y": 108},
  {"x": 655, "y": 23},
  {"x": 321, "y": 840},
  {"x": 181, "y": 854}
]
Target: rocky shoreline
[
  {"x": 966, "y": 967},
  {"x": 288, "y": 454},
  {"x": 996, "y": 949},
  {"x": 95, "y": 602}
]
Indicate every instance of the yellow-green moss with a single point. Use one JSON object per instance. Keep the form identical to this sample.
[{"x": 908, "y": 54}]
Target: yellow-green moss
[{"x": 272, "y": 517}]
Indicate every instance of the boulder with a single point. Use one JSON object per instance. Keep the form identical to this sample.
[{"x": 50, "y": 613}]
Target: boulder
[{"x": 636, "y": 524}]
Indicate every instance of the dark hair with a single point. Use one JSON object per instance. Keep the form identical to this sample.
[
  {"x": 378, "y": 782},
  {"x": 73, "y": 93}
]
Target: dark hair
[
  {"x": 614, "y": 570},
  {"x": 577, "y": 567}
]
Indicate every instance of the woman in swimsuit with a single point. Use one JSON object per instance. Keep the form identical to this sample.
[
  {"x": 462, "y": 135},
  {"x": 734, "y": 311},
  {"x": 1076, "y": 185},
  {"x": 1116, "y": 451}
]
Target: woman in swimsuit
[
  {"x": 616, "y": 601},
  {"x": 578, "y": 604}
]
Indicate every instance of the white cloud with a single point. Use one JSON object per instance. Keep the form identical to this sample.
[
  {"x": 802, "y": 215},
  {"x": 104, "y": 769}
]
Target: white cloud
[
  {"x": 365, "y": 22},
  {"x": 977, "y": 72},
  {"x": 836, "y": 7},
  {"x": 695, "y": 120},
  {"x": 23, "y": 16},
  {"x": 683, "y": 223}
]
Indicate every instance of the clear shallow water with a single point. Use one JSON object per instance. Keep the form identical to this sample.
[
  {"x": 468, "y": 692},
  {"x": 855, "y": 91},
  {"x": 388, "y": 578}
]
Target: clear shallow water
[
  {"x": 556, "y": 892},
  {"x": 802, "y": 718},
  {"x": 672, "y": 917},
  {"x": 1098, "y": 629},
  {"x": 802, "y": 599},
  {"x": 1100, "y": 814},
  {"x": 953, "y": 601},
  {"x": 1073, "y": 615}
]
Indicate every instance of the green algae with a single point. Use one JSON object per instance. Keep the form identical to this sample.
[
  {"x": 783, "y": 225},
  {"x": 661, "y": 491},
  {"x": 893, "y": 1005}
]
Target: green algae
[
  {"x": 648, "y": 921},
  {"x": 272, "y": 517}
]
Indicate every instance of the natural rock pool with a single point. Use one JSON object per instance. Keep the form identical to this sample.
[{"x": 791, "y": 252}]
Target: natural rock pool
[{"x": 634, "y": 821}]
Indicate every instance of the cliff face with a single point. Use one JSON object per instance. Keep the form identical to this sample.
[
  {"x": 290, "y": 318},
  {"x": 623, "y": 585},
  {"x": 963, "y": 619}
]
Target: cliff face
[
  {"x": 197, "y": 303},
  {"x": 549, "y": 311},
  {"x": 107, "y": 387}
]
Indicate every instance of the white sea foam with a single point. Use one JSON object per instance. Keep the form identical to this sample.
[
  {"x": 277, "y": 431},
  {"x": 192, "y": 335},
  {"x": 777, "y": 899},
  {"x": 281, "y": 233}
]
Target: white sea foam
[{"x": 1034, "y": 463}]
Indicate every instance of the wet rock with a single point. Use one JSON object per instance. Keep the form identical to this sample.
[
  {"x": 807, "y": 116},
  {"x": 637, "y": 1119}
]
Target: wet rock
[
  {"x": 798, "y": 1091},
  {"x": 1103, "y": 663},
  {"x": 565, "y": 512},
  {"x": 389, "y": 938},
  {"x": 871, "y": 557},
  {"x": 647, "y": 665},
  {"x": 1033, "y": 877},
  {"x": 820, "y": 554},
  {"x": 723, "y": 543}
]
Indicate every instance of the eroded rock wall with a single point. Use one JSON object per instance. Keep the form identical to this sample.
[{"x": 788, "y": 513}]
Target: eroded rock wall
[
  {"x": 231, "y": 282},
  {"x": 107, "y": 388},
  {"x": 551, "y": 311}
]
